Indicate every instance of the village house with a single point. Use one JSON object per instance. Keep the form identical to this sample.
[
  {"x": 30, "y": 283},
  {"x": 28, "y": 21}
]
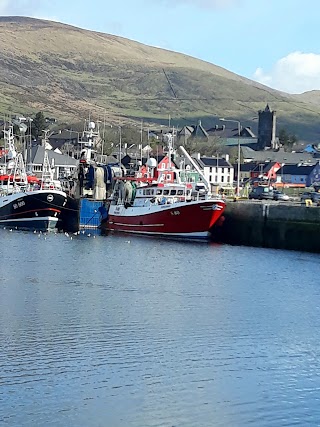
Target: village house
[
  {"x": 62, "y": 165},
  {"x": 59, "y": 139},
  {"x": 218, "y": 172},
  {"x": 266, "y": 171},
  {"x": 299, "y": 175},
  {"x": 245, "y": 171}
]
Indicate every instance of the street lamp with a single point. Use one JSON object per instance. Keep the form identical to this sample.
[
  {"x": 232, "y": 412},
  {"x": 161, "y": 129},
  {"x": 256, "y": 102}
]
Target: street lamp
[{"x": 239, "y": 151}]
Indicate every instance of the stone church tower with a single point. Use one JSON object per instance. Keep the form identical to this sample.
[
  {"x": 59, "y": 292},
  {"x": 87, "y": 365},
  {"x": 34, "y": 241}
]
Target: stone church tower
[{"x": 267, "y": 129}]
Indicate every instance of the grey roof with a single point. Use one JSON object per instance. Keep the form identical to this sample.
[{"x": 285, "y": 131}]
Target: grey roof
[
  {"x": 223, "y": 131},
  {"x": 186, "y": 131},
  {"x": 243, "y": 141},
  {"x": 65, "y": 135},
  {"x": 37, "y": 157},
  {"x": 256, "y": 167},
  {"x": 199, "y": 131},
  {"x": 246, "y": 167},
  {"x": 296, "y": 170},
  {"x": 278, "y": 156},
  {"x": 214, "y": 161},
  {"x": 230, "y": 132}
]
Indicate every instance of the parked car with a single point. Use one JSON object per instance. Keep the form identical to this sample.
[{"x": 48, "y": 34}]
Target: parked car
[
  {"x": 311, "y": 195},
  {"x": 261, "y": 193},
  {"x": 279, "y": 195},
  {"x": 316, "y": 198}
]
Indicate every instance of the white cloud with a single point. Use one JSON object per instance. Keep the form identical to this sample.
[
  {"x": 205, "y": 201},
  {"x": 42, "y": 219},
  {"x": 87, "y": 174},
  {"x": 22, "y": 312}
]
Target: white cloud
[
  {"x": 295, "y": 73},
  {"x": 19, "y": 7}
]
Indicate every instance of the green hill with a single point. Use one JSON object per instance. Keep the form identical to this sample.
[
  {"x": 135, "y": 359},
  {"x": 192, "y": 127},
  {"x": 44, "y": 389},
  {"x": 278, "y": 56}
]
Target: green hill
[{"x": 69, "y": 73}]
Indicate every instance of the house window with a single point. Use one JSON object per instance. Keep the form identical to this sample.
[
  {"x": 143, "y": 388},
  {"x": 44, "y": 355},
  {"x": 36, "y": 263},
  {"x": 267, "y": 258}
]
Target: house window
[
  {"x": 210, "y": 169},
  {"x": 168, "y": 176},
  {"x": 210, "y": 178},
  {"x": 222, "y": 178},
  {"x": 228, "y": 178}
]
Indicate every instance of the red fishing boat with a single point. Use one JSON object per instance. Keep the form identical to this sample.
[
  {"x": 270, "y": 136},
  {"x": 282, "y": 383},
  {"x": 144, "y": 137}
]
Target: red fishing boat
[{"x": 164, "y": 205}]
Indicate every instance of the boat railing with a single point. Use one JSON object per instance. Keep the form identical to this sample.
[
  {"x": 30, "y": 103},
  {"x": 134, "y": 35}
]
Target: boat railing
[{"x": 19, "y": 188}]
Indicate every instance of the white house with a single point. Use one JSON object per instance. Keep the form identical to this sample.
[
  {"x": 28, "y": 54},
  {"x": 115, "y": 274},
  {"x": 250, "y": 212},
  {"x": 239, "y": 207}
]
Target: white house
[{"x": 218, "y": 171}]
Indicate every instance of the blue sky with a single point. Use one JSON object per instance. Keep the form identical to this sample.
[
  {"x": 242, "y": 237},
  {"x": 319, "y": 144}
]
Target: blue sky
[{"x": 275, "y": 42}]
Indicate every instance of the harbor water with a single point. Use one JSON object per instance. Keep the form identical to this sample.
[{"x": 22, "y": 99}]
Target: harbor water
[{"x": 123, "y": 331}]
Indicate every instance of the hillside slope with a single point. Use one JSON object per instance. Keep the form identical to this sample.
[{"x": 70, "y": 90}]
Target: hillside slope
[{"x": 70, "y": 72}]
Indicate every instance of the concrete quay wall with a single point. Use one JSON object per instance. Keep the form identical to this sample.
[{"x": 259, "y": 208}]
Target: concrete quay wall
[{"x": 271, "y": 225}]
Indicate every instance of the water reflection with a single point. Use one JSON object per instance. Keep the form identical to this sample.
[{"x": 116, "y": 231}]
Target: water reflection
[{"x": 124, "y": 331}]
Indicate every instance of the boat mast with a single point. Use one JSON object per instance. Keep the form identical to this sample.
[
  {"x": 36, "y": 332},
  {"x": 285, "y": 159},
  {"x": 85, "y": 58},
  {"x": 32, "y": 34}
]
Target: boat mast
[
  {"x": 10, "y": 150},
  {"x": 19, "y": 172},
  {"x": 47, "y": 174},
  {"x": 5, "y": 144}
]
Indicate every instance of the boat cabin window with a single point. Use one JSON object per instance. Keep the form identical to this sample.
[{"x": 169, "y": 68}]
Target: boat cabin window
[
  {"x": 166, "y": 192},
  {"x": 180, "y": 192},
  {"x": 173, "y": 192},
  {"x": 159, "y": 192},
  {"x": 148, "y": 192}
]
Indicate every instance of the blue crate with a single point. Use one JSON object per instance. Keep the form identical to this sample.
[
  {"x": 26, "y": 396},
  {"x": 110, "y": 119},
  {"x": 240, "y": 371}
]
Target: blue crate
[{"x": 89, "y": 213}]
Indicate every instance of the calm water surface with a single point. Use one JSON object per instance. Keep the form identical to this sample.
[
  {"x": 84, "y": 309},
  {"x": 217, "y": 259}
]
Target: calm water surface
[{"x": 127, "y": 331}]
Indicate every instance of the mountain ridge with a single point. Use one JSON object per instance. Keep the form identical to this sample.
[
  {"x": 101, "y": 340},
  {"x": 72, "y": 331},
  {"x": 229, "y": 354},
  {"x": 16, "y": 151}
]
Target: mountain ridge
[{"x": 69, "y": 72}]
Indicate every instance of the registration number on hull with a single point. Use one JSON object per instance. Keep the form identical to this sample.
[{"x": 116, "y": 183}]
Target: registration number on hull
[{"x": 19, "y": 204}]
